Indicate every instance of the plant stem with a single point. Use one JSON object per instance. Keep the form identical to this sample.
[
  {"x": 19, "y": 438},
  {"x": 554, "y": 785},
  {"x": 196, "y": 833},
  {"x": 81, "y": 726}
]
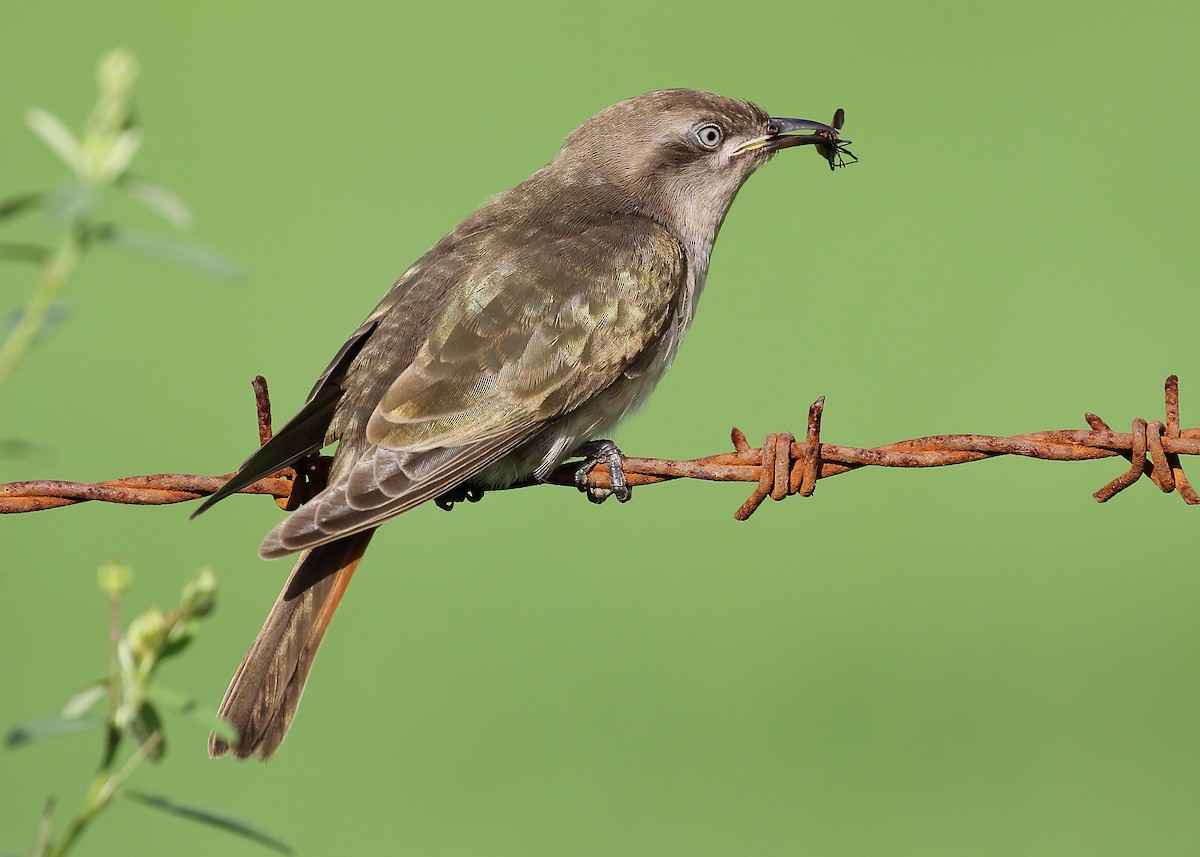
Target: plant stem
[
  {"x": 54, "y": 275},
  {"x": 79, "y": 823},
  {"x": 114, "y": 640},
  {"x": 104, "y": 787}
]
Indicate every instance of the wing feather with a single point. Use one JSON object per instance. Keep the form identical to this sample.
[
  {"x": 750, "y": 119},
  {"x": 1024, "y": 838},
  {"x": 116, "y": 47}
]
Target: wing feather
[{"x": 525, "y": 336}]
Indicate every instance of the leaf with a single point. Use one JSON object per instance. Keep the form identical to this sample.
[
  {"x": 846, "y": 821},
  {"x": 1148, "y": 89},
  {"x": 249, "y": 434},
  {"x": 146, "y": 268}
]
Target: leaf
[
  {"x": 170, "y": 699},
  {"x": 22, "y": 202},
  {"x": 85, "y": 700},
  {"x": 19, "y": 449},
  {"x": 71, "y": 202},
  {"x": 13, "y": 251},
  {"x": 119, "y": 156},
  {"x": 45, "y": 831},
  {"x": 174, "y": 250},
  {"x": 49, "y": 727},
  {"x": 231, "y": 825},
  {"x": 224, "y": 731},
  {"x": 179, "y": 638},
  {"x": 58, "y": 312},
  {"x": 57, "y": 136},
  {"x": 144, "y": 725},
  {"x": 159, "y": 199},
  {"x": 192, "y": 709}
]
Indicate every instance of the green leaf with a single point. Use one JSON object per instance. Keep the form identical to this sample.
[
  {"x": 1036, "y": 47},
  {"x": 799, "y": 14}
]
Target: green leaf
[
  {"x": 49, "y": 727},
  {"x": 178, "y": 639},
  {"x": 19, "y": 449},
  {"x": 80, "y": 704},
  {"x": 58, "y": 312},
  {"x": 45, "y": 830},
  {"x": 117, "y": 159},
  {"x": 12, "y": 251},
  {"x": 145, "y": 724},
  {"x": 58, "y": 137},
  {"x": 172, "y": 700},
  {"x": 231, "y": 825},
  {"x": 71, "y": 202},
  {"x": 159, "y": 199},
  {"x": 22, "y": 202},
  {"x": 224, "y": 731},
  {"x": 174, "y": 250},
  {"x": 192, "y": 709}
]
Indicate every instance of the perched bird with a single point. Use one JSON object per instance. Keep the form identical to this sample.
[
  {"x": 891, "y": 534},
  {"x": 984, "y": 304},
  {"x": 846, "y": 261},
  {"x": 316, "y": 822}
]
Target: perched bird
[{"x": 519, "y": 340}]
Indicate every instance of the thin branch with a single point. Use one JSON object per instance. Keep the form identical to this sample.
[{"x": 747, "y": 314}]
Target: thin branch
[
  {"x": 55, "y": 272},
  {"x": 782, "y": 467}
]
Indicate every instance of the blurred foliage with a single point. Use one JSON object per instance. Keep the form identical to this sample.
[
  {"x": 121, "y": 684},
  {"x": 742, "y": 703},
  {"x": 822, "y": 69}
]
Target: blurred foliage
[
  {"x": 126, "y": 706},
  {"x": 99, "y": 160}
]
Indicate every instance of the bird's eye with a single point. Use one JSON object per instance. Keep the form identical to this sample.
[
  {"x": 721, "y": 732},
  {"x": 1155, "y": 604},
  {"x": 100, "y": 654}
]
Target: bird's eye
[{"x": 709, "y": 136}]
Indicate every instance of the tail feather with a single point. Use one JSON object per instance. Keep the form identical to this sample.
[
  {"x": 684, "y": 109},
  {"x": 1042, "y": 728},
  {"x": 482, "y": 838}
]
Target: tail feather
[{"x": 262, "y": 698}]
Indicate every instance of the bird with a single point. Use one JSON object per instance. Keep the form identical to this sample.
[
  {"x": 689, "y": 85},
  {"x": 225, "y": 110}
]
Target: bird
[{"x": 516, "y": 343}]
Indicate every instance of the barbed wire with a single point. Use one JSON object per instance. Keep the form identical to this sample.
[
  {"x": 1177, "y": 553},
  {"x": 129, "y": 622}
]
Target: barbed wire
[{"x": 781, "y": 467}]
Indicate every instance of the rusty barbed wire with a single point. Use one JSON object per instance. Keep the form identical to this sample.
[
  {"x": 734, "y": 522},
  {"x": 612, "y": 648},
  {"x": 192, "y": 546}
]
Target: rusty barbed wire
[{"x": 782, "y": 467}]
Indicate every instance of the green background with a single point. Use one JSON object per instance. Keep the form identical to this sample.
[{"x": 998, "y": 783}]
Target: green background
[{"x": 976, "y": 660}]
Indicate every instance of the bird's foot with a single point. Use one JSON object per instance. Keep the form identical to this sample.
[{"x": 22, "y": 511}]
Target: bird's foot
[
  {"x": 463, "y": 493},
  {"x": 602, "y": 452}
]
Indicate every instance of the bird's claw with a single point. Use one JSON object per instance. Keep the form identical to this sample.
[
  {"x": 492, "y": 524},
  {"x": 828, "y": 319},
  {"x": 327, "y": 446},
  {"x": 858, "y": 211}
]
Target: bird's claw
[
  {"x": 463, "y": 493},
  {"x": 602, "y": 452}
]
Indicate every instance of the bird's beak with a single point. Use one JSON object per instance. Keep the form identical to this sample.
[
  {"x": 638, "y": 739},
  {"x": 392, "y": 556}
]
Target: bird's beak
[{"x": 783, "y": 133}]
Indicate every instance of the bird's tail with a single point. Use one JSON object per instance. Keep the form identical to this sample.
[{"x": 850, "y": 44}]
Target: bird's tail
[{"x": 262, "y": 698}]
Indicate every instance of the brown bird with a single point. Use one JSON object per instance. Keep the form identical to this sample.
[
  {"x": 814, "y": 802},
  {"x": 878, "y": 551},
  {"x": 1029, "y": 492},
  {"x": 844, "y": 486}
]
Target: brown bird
[{"x": 519, "y": 340}]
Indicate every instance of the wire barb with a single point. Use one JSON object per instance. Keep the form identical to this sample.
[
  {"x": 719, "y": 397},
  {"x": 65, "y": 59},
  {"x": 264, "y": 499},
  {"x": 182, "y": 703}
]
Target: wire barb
[{"x": 782, "y": 467}]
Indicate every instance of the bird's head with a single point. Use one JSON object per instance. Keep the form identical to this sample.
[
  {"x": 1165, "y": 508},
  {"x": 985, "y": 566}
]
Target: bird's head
[{"x": 684, "y": 154}]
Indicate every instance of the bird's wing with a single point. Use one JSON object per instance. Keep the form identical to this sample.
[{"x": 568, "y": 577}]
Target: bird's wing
[
  {"x": 303, "y": 433},
  {"x": 532, "y": 330}
]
